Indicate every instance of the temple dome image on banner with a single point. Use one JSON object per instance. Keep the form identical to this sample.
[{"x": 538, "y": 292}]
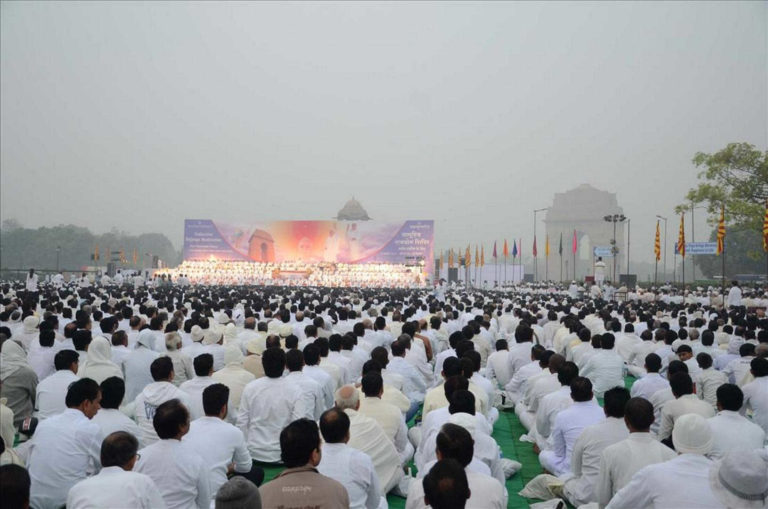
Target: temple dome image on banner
[{"x": 352, "y": 211}]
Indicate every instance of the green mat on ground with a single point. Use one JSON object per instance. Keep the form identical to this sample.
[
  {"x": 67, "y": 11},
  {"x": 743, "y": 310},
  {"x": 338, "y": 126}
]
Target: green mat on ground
[{"x": 506, "y": 432}]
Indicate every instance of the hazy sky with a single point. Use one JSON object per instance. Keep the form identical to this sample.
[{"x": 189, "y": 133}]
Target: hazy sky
[{"x": 138, "y": 115}]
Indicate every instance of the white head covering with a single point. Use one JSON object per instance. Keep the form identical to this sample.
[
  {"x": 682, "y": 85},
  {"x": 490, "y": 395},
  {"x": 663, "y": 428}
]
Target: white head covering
[
  {"x": 211, "y": 336},
  {"x": 146, "y": 338},
  {"x": 30, "y": 323},
  {"x": 12, "y": 359},
  {"x": 98, "y": 365},
  {"x": 740, "y": 479},
  {"x": 233, "y": 356},
  {"x": 230, "y": 333},
  {"x": 692, "y": 434},
  {"x": 196, "y": 333}
]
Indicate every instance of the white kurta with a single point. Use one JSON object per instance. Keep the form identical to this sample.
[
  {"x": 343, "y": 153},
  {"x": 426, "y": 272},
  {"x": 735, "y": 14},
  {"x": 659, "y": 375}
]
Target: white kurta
[
  {"x": 485, "y": 493},
  {"x": 52, "y": 393},
  {"x": 675, "y": 484},
  {"x": 367, "y": 436},
  {"x": 194, "y": 389},
  {"x": 146, "y": 403},
  {"x": 647, "y": 386},
  {"x": 756, "y": 399},
  {"x": 686, "y": 404},
  {"x": 569, "y": 424},
  {"x": 110, "y": 420},
  {"x": 115, "y": 487},
  {"x": 733, "y": 432},
  {"x": 606, "y": 370},
  {"x": 179, "y": 473},
  {"x": 620, "y": 461},
  {"x": 707, "y": 382},
  {"x": 355, "y": 471}
]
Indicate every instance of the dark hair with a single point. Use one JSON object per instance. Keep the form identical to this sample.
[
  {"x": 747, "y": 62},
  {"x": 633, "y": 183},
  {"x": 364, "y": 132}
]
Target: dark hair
[
  {"x": 294, "y": 360},
  {"x": 730, "y": 397},
  {"x": 653, "y": 363},
  {"x": 215, "y": 396},
  {"x": 681, "y": 384},
  {"x": 501, "y": 344},
  {"x": 64, "y": 359},
  {"x": 372, "y": 384},
  {"x": 462, "y": 401},
  {"x": 169, "y": 418},
  {"x": 451, "y": 367},
  {"x": 311, "y": 355},
  {"x": 398, "y": 348},
  {"x": 273, "y": 362},
  {"x": 567, "y": 373},
  {"x": 107, "y": 324},
  {"x": 81, "y": 390},
  {"x": 684, "y": 349},
  {"x": 334, "y": 425},
  {"x": 759, "y": 367},
  {"x": 639, "y": 413},
  {"x": 455, "y": 442},
  {"x": 298, "y": 441},
  {"x": 203, "y": 364},
  {"x": 16, "y": 484},
  {"x": 81, "y": 339},
  {"x": 607, "y": 341},
  {"x": 291, "y": 341},
  {"x": 446, "y": 486},
  {"x": 118, "y": 449},
  {"x": 46, "y": 337},
  {"x": 704, "y": 360},
  {"x": 112, "y": 392},
  {"x": 453, "y": 384},
  {"x": 615, "y": 400},
  {"x": 707, "y": 338},
  {"x": 676, "y": 367},
  {"x": 162, "y": 367},
  {"x": 581, "y": 389}
]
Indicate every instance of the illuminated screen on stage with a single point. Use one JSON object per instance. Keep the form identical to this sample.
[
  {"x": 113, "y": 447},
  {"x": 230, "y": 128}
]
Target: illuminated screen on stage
[{"x": 407, "y": 242}]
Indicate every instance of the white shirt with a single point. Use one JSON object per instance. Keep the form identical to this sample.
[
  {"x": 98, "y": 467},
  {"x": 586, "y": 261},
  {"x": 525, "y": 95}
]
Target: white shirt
[
  {"x": 648, "y": 385},
  {"x": 136, "y": 371},
  {"x": 569, "y": 424},
  {"x": 52, "y": 393},
  {"x": 682, "y": 482},
  {"x": 218, "y": 443},
  {"x": 756, "y": 399},
  {"x": 549, "y": 406},
  {"x": 734, "y": 432},
  {"x": 146, "y": 403},
  {"x": 707, "y": 382},
  {"x": 115, "y": 487},
  {"x": 734, "y": 297},
  {"x": 65, "y": 449},
  {"x": 366, "y": 435},
  {"x": 485, "y": 493},
  {"x": 519, "y": 356},
  {"x": 179, "y": 473},
  {"x": 354, "y": 470},
  {"x": 40, "y": 359},
  {"x": 606, "y": 370},
  {"x": 519, "y": 382},
  {"x": 110, "y": 420},
  {"x": 497, "y": 367},
  {"x": 585, "y": 458},
  {"x": 267, "y": 406},
  {"x": 686, "y": 404},
  {"x": 414, "y": 386},
  {"x": 325, "y": 380},
  {"x": 194, "y": 388},
  {"x": 311, "y": 390},
  {"x": 389, "y": 418},
  {"x": 620, "y": 461}
]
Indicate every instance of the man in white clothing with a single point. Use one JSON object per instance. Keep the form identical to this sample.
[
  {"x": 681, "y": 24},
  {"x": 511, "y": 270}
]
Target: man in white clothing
[
  {"x": 497, "y": 365},
  {"x": 352, "y": 468},
  {"x": 734, "y": 296},
  {"x": 569, "y": 424},
  {"x": 178, "y": 471},
  {"x": 65, "y": 448},
  {"x": 203, "y": 366},
  {"x": 685, "y": 402},
  {"x": 620, "y": 461},
  {"x": 311, "y": 369},
  {"x": 756, "y": 392},
  {"x": 589, "y": 446},
  {"x": 136, "y": 365},
  {"x": 311, "y": 390},
  {"x": 267, "y": 406},
  {"x": 551, "y": 404},
  {"x": 52, "y": 391},
  {"x": 606, "y": 368},
  {"x": 117, "y": 485},
  {"x": 520, "y": 353},
  {"x": 680, "y": 482},
  {"x": 652, "y": 381},
  {"x": 220, "y": 444},
  {"x": 154, "y": 395},
  {"x": 109, "y": 418},
  {"x": 732, "y": 431},
  {"x": 386, "y": 414},
  {"x": 708, "y": 379}
]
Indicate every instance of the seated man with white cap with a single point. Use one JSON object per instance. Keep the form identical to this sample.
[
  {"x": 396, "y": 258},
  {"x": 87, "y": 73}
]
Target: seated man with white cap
[
  {"x": 680, "y": 482},
  {"x": 740, "y": 479}
]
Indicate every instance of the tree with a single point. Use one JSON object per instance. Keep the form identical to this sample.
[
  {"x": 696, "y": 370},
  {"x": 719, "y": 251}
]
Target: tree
[{"x": 737, "y": 177}]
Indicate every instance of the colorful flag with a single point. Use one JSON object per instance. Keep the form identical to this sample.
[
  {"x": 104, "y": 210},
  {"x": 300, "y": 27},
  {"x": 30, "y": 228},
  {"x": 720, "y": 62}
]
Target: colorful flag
[
  {"x": 467, "y": 257},
  {"x": 560, "y": 249},
  {"x": 574, "y": 243},
  {"x": 721, "y": 231},
  {"x": 535, "y": 251},
  {"x": 122, "y": 256},
  {"x": 450, "y": 259},
  {"x": 494, "y": 250},
  {"x": 482, "y": 256},
  {"x": 506, "y": 248},
  {"x": 657, "y": 243},
  {"x": 546, "y": 246},
  {"x": 765, "y": 228},
  {"x": 441, "y": 261},
  {"x": 514, "y": 249},
  {"x": 135, "y": 256},
  {"x": 681, "y": 237},
  {"x": 477, "y": 256}
]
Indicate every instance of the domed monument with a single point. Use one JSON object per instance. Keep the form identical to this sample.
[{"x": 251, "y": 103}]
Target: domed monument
[{"x": 352, "y": 211}]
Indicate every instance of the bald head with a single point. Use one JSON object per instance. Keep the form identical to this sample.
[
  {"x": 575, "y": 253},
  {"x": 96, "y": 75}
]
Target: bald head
[
  {"x": 250, "y": 323},
  {"x": 347, "y": 397}
]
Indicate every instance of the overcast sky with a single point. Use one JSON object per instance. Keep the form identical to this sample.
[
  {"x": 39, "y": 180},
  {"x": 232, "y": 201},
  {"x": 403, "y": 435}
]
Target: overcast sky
[{"x": 138, "y": 115}]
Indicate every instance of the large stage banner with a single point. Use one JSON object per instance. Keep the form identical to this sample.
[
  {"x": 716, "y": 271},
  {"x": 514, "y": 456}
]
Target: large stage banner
[{"x": 410, "y": 242}]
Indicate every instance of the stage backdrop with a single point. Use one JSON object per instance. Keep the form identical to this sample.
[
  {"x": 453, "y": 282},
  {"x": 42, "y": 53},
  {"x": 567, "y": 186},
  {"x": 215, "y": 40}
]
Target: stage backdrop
[{"x": 311, "y": 241}]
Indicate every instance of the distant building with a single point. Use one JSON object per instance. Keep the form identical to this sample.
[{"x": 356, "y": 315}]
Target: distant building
[{"x": 352, "y": 211}]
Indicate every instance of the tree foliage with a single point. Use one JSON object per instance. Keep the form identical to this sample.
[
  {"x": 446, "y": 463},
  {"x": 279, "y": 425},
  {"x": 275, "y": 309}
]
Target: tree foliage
[{"x": 25, "y": 247}]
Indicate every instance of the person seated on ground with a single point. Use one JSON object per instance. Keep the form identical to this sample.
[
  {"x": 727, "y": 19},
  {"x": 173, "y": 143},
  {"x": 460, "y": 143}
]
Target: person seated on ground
[
  {"x": 682, "y": 481},
  {"x": 456, "y": 443},
  {"x": 98, "y": 365},
  {"x": 19, "y": 381},
  {"x": 544, "y": 383},
  {"x": 220, "y": 444},
  {"x": 708, "y": 379},
  {"x": 16, "y": 486},
  {"x": 387, "y": 415},
  {"x": 116, "y": 485},
  {"x": 65, "y": 448},
  {"x": 605, "y": 369},
  {"x": 238, "y": 493},
  {"x": 155, "y": 394},
  {"x": 136, "y": 367},
  {"x": 589, "y": 446},
  {"x": 685, "y": 402},
  {"x": 652, "y": 381},
  {"x": 569, "y": 423},
  {"x": 52, "y": 391},
  {"x": 497, "y": 365},
  {"x": 194, "y": 387},
  {"x": 551, "y": 404},
  {"x": 109, "y": 418},
  {"x": 267, "y": 406},
  {"x": 685, "y": 354},
  {"x": 436, "y": 398},
  {"x": 179, "y": 472},
  {"x": 311, "y": 390},
  {"x": 183, "y": 369},
  {"x": 756, "y": 392},
  {"x": 352, "y": 468},
  {"x": 731, "y": 431},
  {"x": 300, "y": 484},
  {"x": 517, "y": 384},
  {"x": 234, "y": 376},
  {"x": 660, "y": 397},
  {"x": 620, "y": 461}
]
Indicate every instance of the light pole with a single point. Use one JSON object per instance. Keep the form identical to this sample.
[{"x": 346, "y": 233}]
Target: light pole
[
  {"x": 535, "y": 257},
  {"x": 693, "y": 239},
  {"x": 58, "y": 250},
  {"x": 614, "y": 218},
  {"x": 665, "y": 243}
]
